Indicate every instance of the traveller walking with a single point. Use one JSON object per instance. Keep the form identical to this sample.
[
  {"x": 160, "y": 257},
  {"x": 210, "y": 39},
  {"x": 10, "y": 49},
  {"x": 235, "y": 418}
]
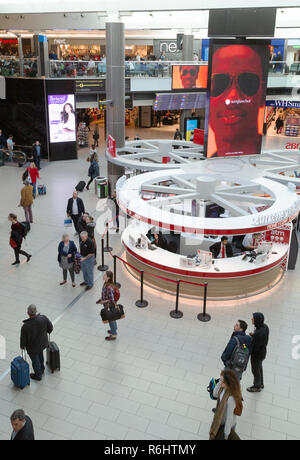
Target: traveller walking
[
  {"x": 229, "y": 406},
  {"x": 96, "y": 136},
  {"x": 27, "y": 201},
  {"x": 75, "y": 209},
  {"x": 115, "y": 211},
  {"x": 259, "y": 351},
  {"x": 16, "y": 238},
  {"x": 36, "y": 153},
  {"x": 34, "y": 339},
  {"x": 87, "y": 251},
  {"x": 66, "y": 258},
  {"x": 22, "y": 426},
  {"x": 108, "y": 300},
  {"x": 237, "y": 353},
  {"x": 93, "y": 170}
]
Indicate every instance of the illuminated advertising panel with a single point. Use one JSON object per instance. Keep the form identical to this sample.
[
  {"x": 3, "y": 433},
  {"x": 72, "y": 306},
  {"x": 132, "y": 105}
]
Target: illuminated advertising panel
[
  {"x": 62, "y": 122},
  {"x": 238, "y": 73},
  {"x": 189, "y": 76}
]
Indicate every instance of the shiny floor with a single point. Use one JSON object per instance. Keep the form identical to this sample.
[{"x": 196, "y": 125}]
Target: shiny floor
[{"x": 150, "y": 383}]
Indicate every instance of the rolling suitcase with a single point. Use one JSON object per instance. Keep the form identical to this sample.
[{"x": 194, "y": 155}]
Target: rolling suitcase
[
  {"x": 80, "y": 186},
  {"x": 53, "y": 357},
  {"x": 42, "y": 190},
  {"x": 20, "y": 373}
]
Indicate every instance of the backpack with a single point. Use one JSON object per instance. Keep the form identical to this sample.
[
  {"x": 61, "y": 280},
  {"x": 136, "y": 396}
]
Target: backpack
[
  {"x": 116, "y": 294},
  {"x": 25, "y": 228},
  {"x": 239, "y": 359},
  {"x": 211, "y": 387}
]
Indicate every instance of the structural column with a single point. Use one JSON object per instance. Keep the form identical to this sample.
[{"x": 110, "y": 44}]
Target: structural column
[
  {"x": 42, "y": 52},
  {"x": 21, "y": 56},
  {"x": 187, "y": 55},
  {"x": 115, "y": 91}
]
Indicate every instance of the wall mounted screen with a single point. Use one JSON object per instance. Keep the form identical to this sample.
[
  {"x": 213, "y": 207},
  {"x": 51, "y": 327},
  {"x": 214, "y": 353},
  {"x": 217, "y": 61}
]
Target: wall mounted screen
[
  {"x": 189, "y": 76},
  {"x": 177, "y": 101},
  {"x": 62, "y": 122}
]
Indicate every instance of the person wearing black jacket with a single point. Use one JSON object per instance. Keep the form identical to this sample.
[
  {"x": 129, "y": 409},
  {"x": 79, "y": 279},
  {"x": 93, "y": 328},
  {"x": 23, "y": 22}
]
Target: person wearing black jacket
[
  {"x": 221, "y": 250},
  {"x": 75, "y": 209},
  {"x": 259, "y": 351},
  {"x": 34, "y": 339},
  {"x": 36, "y": 153},
  {"x": 22, "y": 426},
  {"x": 239, "y": 333}
]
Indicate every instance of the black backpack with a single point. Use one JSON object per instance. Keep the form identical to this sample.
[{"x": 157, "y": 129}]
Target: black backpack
[
  {"x": 25, "y": 228},
  {"x": 239, "y": 359}
]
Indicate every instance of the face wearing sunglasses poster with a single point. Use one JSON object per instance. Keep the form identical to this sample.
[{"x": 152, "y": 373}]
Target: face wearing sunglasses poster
[
  {"x": 189, "y": 76},
  {"x": 237, "y": 93}
]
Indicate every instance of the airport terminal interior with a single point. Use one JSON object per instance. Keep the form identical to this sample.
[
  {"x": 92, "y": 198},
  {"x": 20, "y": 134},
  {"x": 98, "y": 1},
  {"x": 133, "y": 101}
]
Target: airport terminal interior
[{"x": 178, "y": 130}]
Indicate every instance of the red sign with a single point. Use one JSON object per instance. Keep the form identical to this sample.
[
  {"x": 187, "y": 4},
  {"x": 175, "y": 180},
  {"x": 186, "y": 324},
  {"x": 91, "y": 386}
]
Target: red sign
[
  {"x": 111, "y": 146},
  {"x": 199, "y": 136},
  {"x": 8, "y": 41}
]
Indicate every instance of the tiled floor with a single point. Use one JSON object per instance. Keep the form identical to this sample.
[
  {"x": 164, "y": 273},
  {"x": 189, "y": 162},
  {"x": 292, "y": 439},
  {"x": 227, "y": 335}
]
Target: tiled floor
[{"x": 151, "y": 383}]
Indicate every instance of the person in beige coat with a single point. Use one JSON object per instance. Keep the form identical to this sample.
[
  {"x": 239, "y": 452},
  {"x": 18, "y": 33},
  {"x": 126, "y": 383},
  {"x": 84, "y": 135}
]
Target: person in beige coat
[{"x": 27, "y": 201}]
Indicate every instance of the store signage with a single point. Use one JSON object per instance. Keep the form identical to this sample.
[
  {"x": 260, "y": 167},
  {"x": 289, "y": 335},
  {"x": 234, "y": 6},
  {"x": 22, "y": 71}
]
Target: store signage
[
  {"x": 90, "y": 86},
  {"x": 284, "y": 104},
  {"x": 60, "y": 41},
  {"x": 8, "y": 41},
  {"x": 111, "y": 146}
]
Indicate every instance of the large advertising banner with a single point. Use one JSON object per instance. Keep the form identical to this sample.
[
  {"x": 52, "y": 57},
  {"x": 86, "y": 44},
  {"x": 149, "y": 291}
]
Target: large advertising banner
[
  {"x": 62, "y": 122},
  {"x": 238, "y": 73}
]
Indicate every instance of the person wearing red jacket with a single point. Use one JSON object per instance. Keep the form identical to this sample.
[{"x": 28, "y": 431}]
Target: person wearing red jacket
[{"x": 34, "y": 176}]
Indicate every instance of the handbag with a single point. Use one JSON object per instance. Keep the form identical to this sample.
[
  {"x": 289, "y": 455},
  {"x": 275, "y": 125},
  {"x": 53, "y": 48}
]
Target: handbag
[
  {"x": 113, "y": 313},
  {"x": 12, "y": 243},
  {"x": 68, "y": 222}
]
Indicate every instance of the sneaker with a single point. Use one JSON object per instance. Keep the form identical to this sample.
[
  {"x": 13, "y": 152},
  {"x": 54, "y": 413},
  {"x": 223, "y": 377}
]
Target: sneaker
[
  {"x": 253, "y": 390},
  {"x": 262, "y": 387},
  {"x": 83, "y": 284},
  {"x": 62, "y": 283},
  {"x": 88, "y": 288},
  {"x": 35, "y": 377},
  {"x": 214, "y": 410},
  {"x": 109, "y": 332},
  {"x": 110, "y": 337}
]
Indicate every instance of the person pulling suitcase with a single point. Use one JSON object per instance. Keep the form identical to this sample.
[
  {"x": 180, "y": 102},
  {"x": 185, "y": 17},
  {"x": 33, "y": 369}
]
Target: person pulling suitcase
[{"x": 34, "y": 339}]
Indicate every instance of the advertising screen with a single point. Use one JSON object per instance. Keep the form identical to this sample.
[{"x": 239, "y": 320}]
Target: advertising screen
[
  {"x": 190, "y": 124},
  {"x": 189, "y": 76},
  {"x": 237, "y": 91},
  {"x": 62, "y": 122}
]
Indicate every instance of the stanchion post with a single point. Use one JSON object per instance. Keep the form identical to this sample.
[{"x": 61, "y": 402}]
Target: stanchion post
[
  {"x": 142, "y": 303},
  {"x": 177, "y": 313},
  {"x": 115, "y": 273},
  {"x": 102, "y": 267},
  {"x": 204, "y": 317},
  {"x": 107, "y": 248}
]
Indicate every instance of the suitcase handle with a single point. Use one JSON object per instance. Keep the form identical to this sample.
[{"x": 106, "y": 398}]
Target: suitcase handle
[{"x": 24, "y": 355}]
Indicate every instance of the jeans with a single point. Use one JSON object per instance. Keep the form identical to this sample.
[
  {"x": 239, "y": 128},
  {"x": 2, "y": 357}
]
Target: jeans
[
  {"x": 38, "y": 162},
  {"x": 113, "y": 327},
  {"x": 257, "y": 371},
  {"x": 34, "y": 189},
  {"x": 38, "y": 364},
  {"x": 87, "y": 267},
  {"x": 28, "y": 213}
]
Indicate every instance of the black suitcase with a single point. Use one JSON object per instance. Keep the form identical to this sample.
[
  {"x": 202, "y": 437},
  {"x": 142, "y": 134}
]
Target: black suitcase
[
  {"x": 80, "y": 186},
  {"x": 53, "y": 357}
]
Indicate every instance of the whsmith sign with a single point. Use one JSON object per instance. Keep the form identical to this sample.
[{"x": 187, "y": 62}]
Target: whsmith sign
[{"x": 284, "y": 104}]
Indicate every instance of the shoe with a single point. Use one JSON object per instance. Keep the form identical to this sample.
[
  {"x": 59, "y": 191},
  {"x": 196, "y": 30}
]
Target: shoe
[
  {"x": 83, "y": 284},
  {"x": 262, "y": 387},
  {"x": 62, "y": 283},
  {"x": 87, "y": 188},
  {"x": 16, "y": 263},
  {"x": 110, "y": 337},
  {"x": 35, "y": 377},
  {"x": 28, "y": 258},
  {"x": 98, "y": 302},
  {"x": 109, "y": 332},
  {"x": 117, "y": 231},
  {"x": 214, "y": 410},
  {"x": 88, "y": 288},
  {"x": 254, "y": 390},
  {"x": 74, "y": 284}
]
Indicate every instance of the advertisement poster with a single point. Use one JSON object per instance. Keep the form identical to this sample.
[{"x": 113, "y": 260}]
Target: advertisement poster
[
  {"x": 189, "y": 76},
  {"x": 62, "y": 122},
  {"x": 237, "y": 91}
]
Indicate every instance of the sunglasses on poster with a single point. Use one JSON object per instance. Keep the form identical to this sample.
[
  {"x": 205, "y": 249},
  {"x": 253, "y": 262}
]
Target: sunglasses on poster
[
  {"x": 248, "y": 83},
  {"x": 185, "y": 72}
]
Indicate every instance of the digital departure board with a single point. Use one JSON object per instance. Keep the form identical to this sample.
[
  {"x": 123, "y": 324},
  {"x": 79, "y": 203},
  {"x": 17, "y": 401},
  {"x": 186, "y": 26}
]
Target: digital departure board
[{"x": 177, "y": 101}]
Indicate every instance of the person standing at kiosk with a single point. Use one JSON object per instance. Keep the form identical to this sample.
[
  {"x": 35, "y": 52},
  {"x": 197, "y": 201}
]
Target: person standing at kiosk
[{"x": 251, "y": 241}]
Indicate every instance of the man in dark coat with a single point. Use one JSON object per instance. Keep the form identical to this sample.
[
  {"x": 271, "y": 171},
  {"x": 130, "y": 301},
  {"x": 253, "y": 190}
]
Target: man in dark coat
[
  {"x": 22, "y": 427},
  {"x": 239, "y": 333},
  {"x": 34, "y": 339},
  {"x": 259, "y": 351},
  {"x": 75, "y": 209}
]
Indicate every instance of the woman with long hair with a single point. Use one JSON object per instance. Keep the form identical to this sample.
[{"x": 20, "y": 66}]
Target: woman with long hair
[
  {"x": 68, "y": 118},
  {"x": 229, "y": 406},
  {"x": 16, "y": 238},
  {"x": 108, "y": 300}
]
